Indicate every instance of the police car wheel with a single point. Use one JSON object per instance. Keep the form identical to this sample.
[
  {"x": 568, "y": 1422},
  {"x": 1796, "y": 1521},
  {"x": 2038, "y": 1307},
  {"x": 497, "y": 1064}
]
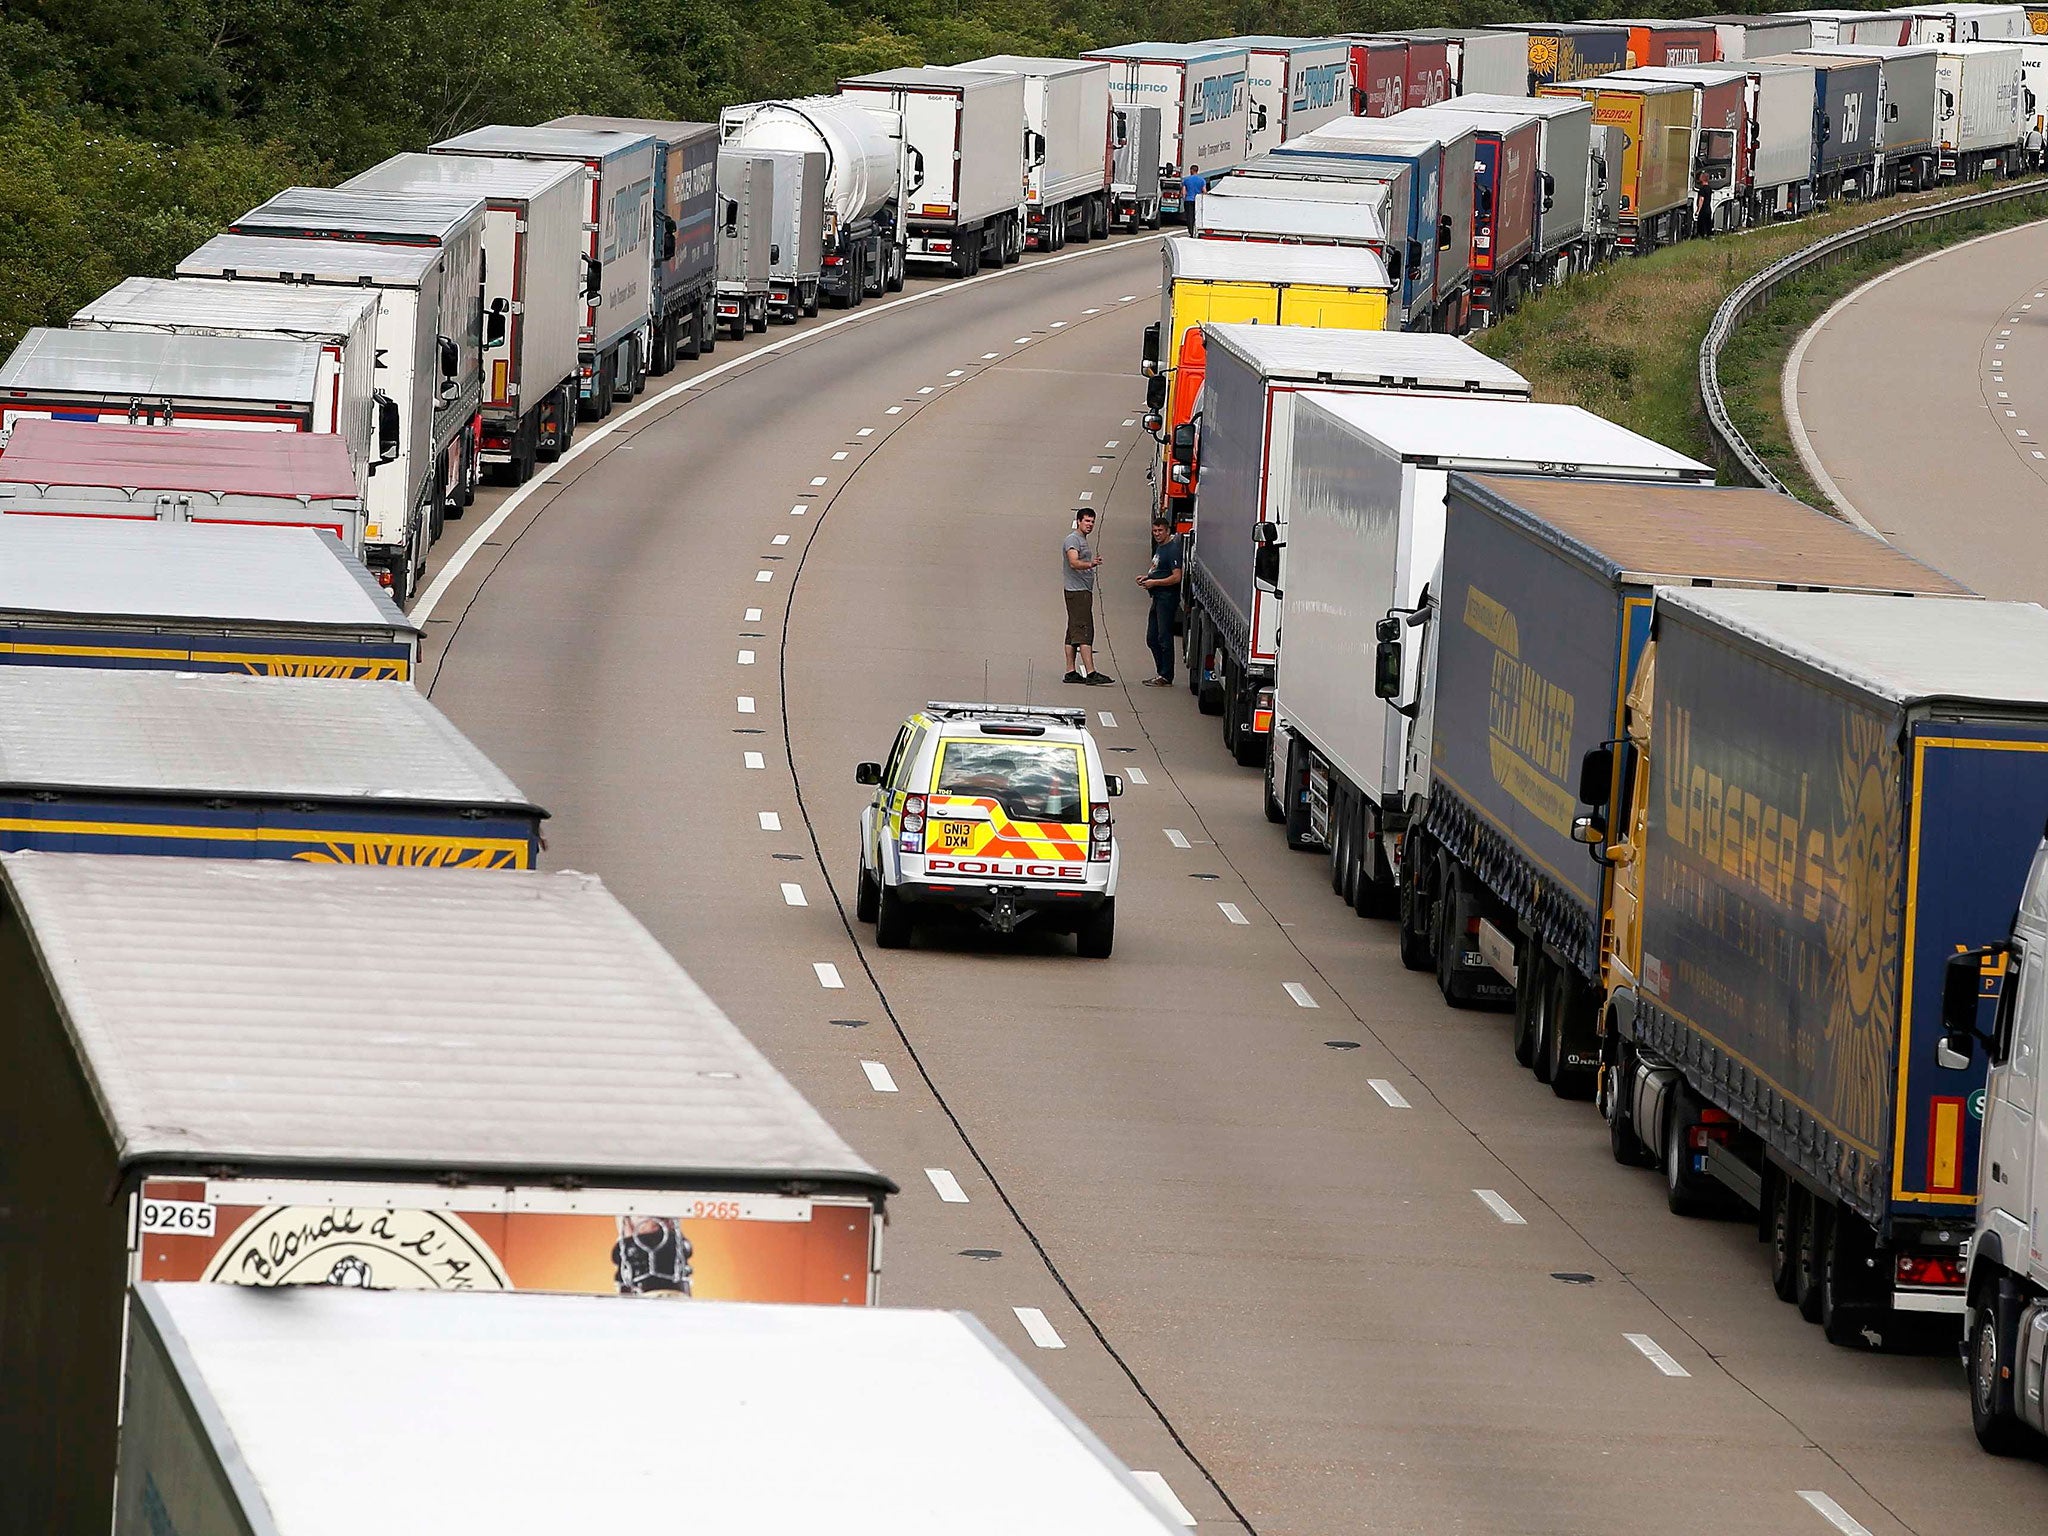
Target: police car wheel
[
  {"x": 1096, "y": 935},
  {"x": 867, "y": 898},
  {"x": 892, "y": 920}
]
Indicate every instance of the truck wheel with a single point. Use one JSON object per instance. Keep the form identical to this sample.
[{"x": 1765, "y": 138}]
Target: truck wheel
[
  {"x": 1990, "y": 1356},
  {"x": 1844, "y": 1308},
  {"x": 1340, "y": 846},
  {"x": 1376, "y": 896},
  {"x": 1532, "y": 1002},
  {"x": 1100, "y": 214},
  {"x": 665, "y": 347},
  {"x": 1250, "y": 747},
  {"x": 963, "y": 259},
  {"x": 810, "y": 301},
  {"x": 1084, "y": 227},
  {"x": 892, "y": 920},
  {"x": 896, "y": 268},
  {"x": 867, "y": 896},
  {"x": 1784, "y": 1239},
  {"x": 1809, "y": 1240},
  {"x": 1209, "y": 696},
  {"x": 1096, "y": 935},
  {"x": 759, "y": 319},
  {"x": 1414, "y": 907},
  {"x": 1450, "y": 938},
  {"x": 691, "y": 346},
  {"x": 1230, "y": 706},
  {"x": 1686, "y": 1193},
  {"x": 1624, "y": 1139}
]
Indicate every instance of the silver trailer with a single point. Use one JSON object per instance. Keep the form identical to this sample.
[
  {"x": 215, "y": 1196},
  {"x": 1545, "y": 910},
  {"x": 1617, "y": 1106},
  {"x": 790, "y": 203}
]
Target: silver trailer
[
  {"x": 1200, "y": 90},
  {"x": 964, "y": 148},
  {"x": 1758, "y": 36},
  {"x": 1484, "y": 61},
  {"x": 746, "y": 218},
  {"x": 1781, "y": 96},
  {"x": 533, "y": 277},
  {"x": 1573, "y": 173},
  {"x": 1134, "y": 167},
  {"x": 617, "y": 342},
  {"x": 1886, "y": 29},
  {"x": 407, "y": 484},
  {"x": 796, "y": 245},
  {"x": 1066, "y": 110},
  {"x": 1908, "y": 100}
]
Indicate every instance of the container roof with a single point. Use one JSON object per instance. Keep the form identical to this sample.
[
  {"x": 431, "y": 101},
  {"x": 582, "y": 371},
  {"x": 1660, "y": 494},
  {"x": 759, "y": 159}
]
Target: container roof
[
  {"x": 1344, "y": 266},
  {"x": 668, "y": 131},
  {"x": 1296, "y": 218},
  {"x": 1027, "y": 64},
  {"x": 1873, "y": 50},
  {"x": 196, "y": 304},
  {"x": 110, "y": 568},
  {"x": 1703, "y": 533},
  {"x": 152, "y": 363},
  {"x": 1329, "y": 164},
  {"x": 1910, "y": 650},
  {"x": 1265, "y": 43},
  {"x": 229, "y": 1011},
  {"x": 79, "y": 453},
  {"x": 1454, "y": 433},
  {"x": 263, "y": 257},
  {"x": 547, "y": 143},
  {"x": 487, "y": 175},
  {"x": 864, "y": 1421},
  {"x": 1521, "y": 106},
  {"x": 1416, "y": 358},
  {"x": 1355, "y": 135},
  {"x": 925, "y": 77},
  {"x": 83, "y": 729},
  {"x": 404, "y": 218},
  {"x": 1171, "y": 53}
]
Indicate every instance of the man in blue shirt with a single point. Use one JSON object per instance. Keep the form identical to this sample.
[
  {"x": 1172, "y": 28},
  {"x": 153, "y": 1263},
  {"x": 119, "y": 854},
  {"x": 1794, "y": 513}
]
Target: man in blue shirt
[
  {"x": 1163, "y": 582},
  {"x": 1192, "y": 186}
]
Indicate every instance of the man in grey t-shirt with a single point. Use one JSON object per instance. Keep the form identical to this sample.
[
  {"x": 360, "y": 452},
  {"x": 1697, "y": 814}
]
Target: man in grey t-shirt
[{"x": 1078, "y": 561}]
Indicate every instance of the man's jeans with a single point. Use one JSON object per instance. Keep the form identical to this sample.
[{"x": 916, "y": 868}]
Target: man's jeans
[{"x": 1159, "y": 631}]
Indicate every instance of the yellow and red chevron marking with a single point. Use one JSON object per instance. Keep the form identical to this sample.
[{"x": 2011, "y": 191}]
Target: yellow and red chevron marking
[{"x": 999, "y": 837}]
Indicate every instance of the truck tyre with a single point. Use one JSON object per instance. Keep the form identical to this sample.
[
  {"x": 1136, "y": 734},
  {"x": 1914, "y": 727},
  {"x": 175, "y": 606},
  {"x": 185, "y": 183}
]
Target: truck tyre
[
  {"x": 1784, "y": 1228},
  {"x": 810, "y": 301},
  {"x": 892, "y": 920},
  {"x": 1686, "y": 1193},
  {"x": 1084, "y": 227},
  {"x": 963, "y": 258},
  {"x": 1414, "y": 906},
  {"x": 1095, "y": 936},
  {"x": 1250, "y": 747},
  {"x": 1450, "y": 936},
  {"x": 1989, "y": 1353},
  {"x": 1845, "y": 1306},
  {"x": 867, "y": 896},
  {"x": 1809, "y": 1242},
  {"x": 759, "y": 318},
  {"x": 1209, "y": 697},
  {"x": 1100, "y": 214},
  {"x": 896, "y": 270},
  {"x": 1231, "y": 706},
  {"x": 665, "y": 347},
  {"x": 690, "y": 340},
  {"x": 1532, "y": 1001}
]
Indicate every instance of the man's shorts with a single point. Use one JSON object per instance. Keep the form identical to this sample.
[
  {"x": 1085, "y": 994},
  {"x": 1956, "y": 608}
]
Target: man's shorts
[{"x": 1080, "y": 618}]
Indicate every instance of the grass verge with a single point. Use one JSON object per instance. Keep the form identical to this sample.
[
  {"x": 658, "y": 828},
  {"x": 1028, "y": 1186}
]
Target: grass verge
[{"x": 1624, "y": 342}]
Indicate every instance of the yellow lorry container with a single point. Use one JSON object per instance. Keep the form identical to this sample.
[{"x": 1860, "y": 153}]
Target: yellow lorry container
[
  {"x": 1649, "y": 131},
  {"x": 1336, "y": 287}
]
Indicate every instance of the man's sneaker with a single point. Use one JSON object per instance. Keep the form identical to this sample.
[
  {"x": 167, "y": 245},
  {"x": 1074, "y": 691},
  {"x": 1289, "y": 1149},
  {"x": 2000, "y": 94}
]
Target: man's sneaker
[
  {"x": 1073, "y": 677},
  {"x": 1099, "y": 679}
]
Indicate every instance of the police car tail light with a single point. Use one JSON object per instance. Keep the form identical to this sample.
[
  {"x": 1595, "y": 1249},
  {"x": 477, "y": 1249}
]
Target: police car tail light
[
  {"x": 1098, "y": 833},
  {"x": 913, "y": 823}
]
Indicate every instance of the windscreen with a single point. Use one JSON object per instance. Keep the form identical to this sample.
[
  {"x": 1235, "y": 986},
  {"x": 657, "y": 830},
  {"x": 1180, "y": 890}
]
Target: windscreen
[{"x": 1030, "y": 780}]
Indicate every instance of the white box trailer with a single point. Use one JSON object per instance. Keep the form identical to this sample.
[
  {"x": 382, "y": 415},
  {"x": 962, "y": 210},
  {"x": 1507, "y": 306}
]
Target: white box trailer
[
  {"x": 1968, "y": 23},
  {"x": 1236, "y": 567},
  {"x": 532, "y": 285},
  {"x": 1980, "y": 121},
  {"x": 1200, "y": 90},
  {"x": 1066, "y": 109},
  {"x": 1835, "y": 25},
  {"x": 617, "y": 341},
  {"x": 1365, "y": 531},
  {"x": 746, "y": 228},
  {"x": 406, "y": 484},
  {"x": 171, "y": 475},
  {"x": 1293, "y": 85},
  {"x": 1908, "y": 99},
  {"x": 1740, "y": 37},
  {"x": 2033, "y": 95},
  {"x": 1567, "y": 213},
  {"x": 524, "y": 1415},
  {"x": 1783, "y": 156},
  {"x": 1134, "y": 135},
  {"x": 342, "y": 325},
  {"x": 796, "y": 232},
  {"x": 1483, "y": 61},
  {"x": 965, "y": 178}
]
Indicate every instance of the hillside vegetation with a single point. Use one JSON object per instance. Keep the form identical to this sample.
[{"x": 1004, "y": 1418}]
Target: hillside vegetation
[{"x": 130, "y": 130}]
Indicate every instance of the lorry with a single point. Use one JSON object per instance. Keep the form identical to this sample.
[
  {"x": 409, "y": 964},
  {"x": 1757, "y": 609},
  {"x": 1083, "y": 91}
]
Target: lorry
[
  {"x": 863, "y": 149},
  {"x": 408, "y": 485},
  {"x": 746, "y": 215},
  {"x": 965, "y": 150},
  {"x": 1134, "y": 167},
  {"x": 902, "y": 1420},
  {"x": 1886, "y": 753},
  {"x": 472, "y": 1079},
  {"x": 1968, "y": 23},
  {"x": 1845, "y": 132},
  {"x": 1890, "y": 29},
  {"x": 1779, "y": 105},
  {"x": 616, "y": 342},
  {"x": 1496, "y": 892},
  {"x": 1573, "y": 180},
  {"x": 1507, "y": 186},
  {"x": 1389, "y": 182},
  {"x": 174, "y": 475},
  {"x": 1739, "y": 37},
  {"x": 1658, "y": 42},
  {"x": 1200, "y": 90},
  {"x": 195, "y": 597},
  {"x": 1982, "y": 119},
  {"x": 1650, "y": 122},
  {"x": 1721, "y": 161},
  {"x": 1427, "y": 78},
  {"x": 1334, "y": 287},
  {"x": 796, "y": 244},
  {"x": 1235, "y": 571},
  {"x": 342, "y": 325},
  {"x": 1481, "y": 60},
  {"x": 1907, "y": 100},
  {"x": 1560, "y": 52},
  {"x": 1292, "y": 84},
  {"x": 215, "y": 766},
  {"x": 1379, "y": 74},
  {"x": 684, "y": 258},
  {"x": 1067, "y": 112},
  {"x": 533, "y": 288},
  {"x": 1365, "y": 534}
]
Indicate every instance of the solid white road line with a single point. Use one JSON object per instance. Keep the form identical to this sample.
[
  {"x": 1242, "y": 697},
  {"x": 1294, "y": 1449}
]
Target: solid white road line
[
  {"x": 1175, "y": 836},
  {"x": 1136, "y": 776},
  {"x": 1106, "y": 718},
  {"x": 771, "y": 821},
  {"x": 1656, "y": 1354},
  {"x": 1299, "y": 993},
  {"x": 1500, "y": 1207},
  {"x": 1163, "y": 1496},
  {"x": 1389, "y": 1092},
  {"x": 1231, "y": 910},
  {"x": 948, "y": 1187},
  {"x": 746, "y": 658},
  {"x": 1834, "y": 1514},
  {"x": 793, "y": 894},
  {"x": 1042, "y": 1332},
  {"x": 828, "y": 975},
  {"x": 878, "y": 1077},
  {"x": 746, "y": 704},
  {"x": 753, "y": 760}
]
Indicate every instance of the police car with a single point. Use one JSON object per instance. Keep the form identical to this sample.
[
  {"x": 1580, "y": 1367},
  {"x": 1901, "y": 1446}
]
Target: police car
[{"x": 1000, "y": 811}]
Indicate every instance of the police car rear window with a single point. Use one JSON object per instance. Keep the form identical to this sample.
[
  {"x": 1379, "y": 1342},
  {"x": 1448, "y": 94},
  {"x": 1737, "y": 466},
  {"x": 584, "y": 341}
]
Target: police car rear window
[{"x": 1033, "y": 781}]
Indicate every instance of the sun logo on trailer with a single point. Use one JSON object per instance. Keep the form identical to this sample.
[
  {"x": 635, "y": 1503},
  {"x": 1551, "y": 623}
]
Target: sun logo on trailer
[{"x": 1860, "y": 909}]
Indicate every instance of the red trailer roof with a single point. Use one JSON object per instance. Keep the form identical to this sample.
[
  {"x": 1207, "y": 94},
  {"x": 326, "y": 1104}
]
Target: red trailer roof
[{"x": 45, "y": 452}]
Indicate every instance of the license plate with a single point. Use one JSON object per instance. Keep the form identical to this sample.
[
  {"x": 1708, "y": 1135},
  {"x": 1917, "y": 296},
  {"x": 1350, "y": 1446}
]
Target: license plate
[{"x": 955, "y": 836}]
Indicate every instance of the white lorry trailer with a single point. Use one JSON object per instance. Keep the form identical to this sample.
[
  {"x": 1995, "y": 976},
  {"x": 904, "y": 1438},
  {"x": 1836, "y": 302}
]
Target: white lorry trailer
[
  {"x": 1483, "y": 61},
  {"x": 533, "y": 277},
  {"x": 1134, "y": 174},
  {"x": 407, "y": 485},
  {"x": 746, "y": 227},
  {"x": 1200, "y": 91},
  {"x": 617, "y": 340},
  {"x": 863, "y": 150},
  {"x": 1293, "y": 85},
  {"x": 1365, "y": 533},
  {"x": 1066, "y": 110},
  {"x": 1980, "y": 122},
  {"x": 1356, "y": 220},
  {"x": 796, "y": 232},
  {"x": 964, "y": 148},
  {"x": 1236, "y": 565}
]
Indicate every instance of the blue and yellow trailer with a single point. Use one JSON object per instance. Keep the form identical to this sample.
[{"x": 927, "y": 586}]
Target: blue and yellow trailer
[{"x": 212, "y": 766}]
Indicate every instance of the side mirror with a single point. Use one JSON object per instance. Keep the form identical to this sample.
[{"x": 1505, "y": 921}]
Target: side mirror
[
  {"x": 1153, "y": 422},
  {"x": 593, "y": 278},
  {"x": 1443, "y": 231},
  {"x": 732, "y": 216},
  {"x": 774, "y": 253},
  {"x": 1038, "y": 149},
  {"x": 388, "y": 425},
  {"x": 1269, "y": 535},
  {"x": 867, "y": 773},
  {"x": 1596, "y": 777},
  {"x": 451, "y": 358},
  {"x": 494, "y": 323},
  {"x": 1151, "y": 350},
  {"x": 1113, "y": 783},
  {"x": 1386, "y": 659},
  {"x": 1266, "y": 564},
  {"x": 1393, "y": 256},
  {"x": 1155, "y": 392},
  {"x": 1183, "y": 450},
  {"x": 1971, "y": 977},
  {"x": 1414, "y": 255},
  {"x": 668, "y": 238}
]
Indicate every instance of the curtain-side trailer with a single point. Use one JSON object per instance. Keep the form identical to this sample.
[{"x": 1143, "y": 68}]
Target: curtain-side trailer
[
  {"x": 1561, "y": 52},
  {"x": 471, "y": 1080}
]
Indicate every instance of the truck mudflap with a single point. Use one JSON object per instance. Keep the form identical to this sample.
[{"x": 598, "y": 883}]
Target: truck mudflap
[{"x": 1542, "y": 907}]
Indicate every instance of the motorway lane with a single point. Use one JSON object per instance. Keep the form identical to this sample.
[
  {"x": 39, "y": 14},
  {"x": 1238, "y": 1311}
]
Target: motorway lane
[
  {"x": 1926, "y": 399},
  {"x": 1296, "y": 1275}
]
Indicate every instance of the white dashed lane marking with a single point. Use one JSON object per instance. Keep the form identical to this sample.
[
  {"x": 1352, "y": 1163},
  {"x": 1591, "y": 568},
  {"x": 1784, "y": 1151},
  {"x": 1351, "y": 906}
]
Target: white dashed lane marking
[
  {"x": 1042, "y": 1332},
  {"x": 821, "y": 480},
  {"x": 746, "y": 658},
  {"x": 1300, "y": 994},
  {"x": 1507, "y": 1213},
  {"x": 793, "y": 894},
  {"x": 1390, "y": 1093},
  {"x": 1834, "y": 1514},
  {"x": 828, "y": 975},
  {"x": 746, "y": 703},
  {"x": 764, "y": 575},
  {"x": 1106, "y": 718},
  {"x": 1136, "y": 776},
  {"x": 948, "y": 1187},
  {"x": 1175, "y": 836},
  {"x": 1656, "y": 1354},
  {"x": 878, "y": 1077},
  {"x": 753, "y": 616},
  {"x": 771, "y": 821},
  {"x": 1231, "y": 910},
  {"x": 753, "y": 760}
]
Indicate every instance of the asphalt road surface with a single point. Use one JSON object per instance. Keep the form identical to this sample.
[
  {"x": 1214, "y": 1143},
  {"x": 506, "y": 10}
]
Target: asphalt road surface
[{"x": 1287, "y": 1232}]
